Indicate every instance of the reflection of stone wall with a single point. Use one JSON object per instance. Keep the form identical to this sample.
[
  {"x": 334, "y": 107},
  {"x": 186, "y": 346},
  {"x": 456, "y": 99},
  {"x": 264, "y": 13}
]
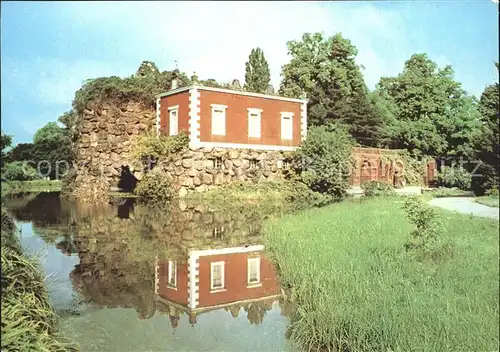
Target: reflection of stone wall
[
  {"x": 105, "y": 137},
  {"x": 200, "y": 169}
]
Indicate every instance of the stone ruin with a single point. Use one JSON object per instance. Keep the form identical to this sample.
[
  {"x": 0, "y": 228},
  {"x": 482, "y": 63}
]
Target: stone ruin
[{"x": 104, "y": 160}]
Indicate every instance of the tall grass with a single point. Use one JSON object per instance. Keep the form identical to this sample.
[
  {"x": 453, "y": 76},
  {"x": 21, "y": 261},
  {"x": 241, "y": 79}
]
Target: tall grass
[
  {"x": 28, "y": 319},
  {"x": 356, "y": 288}
]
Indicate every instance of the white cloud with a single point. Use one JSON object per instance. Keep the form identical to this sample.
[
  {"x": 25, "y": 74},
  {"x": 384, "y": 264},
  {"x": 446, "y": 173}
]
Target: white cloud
[{"x": 215, "y": 38}]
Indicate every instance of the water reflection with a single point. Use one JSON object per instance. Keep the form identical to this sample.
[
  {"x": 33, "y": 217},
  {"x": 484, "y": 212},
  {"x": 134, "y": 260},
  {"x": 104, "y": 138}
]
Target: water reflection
[{"x": 187, "y": 260}]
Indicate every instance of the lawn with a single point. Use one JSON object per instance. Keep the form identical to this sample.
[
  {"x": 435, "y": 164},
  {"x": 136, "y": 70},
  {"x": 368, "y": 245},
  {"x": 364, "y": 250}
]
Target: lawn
[
  {"x": 491, "y": 201},
  {"x": 357, "y": 289}
]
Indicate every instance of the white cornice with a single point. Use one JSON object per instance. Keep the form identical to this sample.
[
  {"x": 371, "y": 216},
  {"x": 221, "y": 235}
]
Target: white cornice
[{"x": 229, "y": 91}]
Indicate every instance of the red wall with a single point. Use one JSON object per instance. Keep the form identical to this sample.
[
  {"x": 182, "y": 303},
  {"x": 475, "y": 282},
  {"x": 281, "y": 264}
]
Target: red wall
[
  {"x": 237, "y": 119},
  {"x": 181, "y": 294},
  {"x": 181, "y": 99},
  {"x": 235, "y": 279}
]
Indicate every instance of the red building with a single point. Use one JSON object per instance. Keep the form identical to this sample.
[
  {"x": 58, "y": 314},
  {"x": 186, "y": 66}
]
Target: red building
[
  {"x": 215, "y": 117},
  {"x": 216, "y": 278}
]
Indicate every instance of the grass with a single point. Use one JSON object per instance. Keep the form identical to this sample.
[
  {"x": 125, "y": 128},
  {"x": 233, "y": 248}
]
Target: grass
[
  {"x": 345, "y": 267},
  {"x": 28, "y": 319},
  {"x": 10, "y": 187},
  {"x": 448, "y": 192},
  {"x": 491, "y": 201}
]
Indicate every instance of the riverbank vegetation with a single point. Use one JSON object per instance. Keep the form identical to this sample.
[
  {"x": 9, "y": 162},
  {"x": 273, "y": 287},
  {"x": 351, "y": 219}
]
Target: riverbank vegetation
[
  {"x": 28, "y": 319},
  {"x": 358, "y": 288},
  {"x": 30, "y": 186}
]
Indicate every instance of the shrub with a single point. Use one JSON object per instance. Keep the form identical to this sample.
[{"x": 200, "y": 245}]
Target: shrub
[
  {"x": 376, "y": 188},
  {"x": 493, "y": 191},
  {"x": 19, "y": 171},
  {"x": 427, "y": 224},
  {"x": 454, "y": 176},
  {"x": 323, "y": 161},
  {"x": 153, "y": 146},
  {"x": 155, "y": 188}
]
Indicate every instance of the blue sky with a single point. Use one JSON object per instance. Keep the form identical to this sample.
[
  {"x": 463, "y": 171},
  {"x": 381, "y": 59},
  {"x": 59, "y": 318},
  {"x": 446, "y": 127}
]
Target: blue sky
[{"x": 50, "y": 48}]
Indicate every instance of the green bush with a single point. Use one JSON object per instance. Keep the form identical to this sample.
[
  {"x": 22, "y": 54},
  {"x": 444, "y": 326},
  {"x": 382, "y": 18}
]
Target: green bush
[
  {"x": 454, "y": 176},
  {"x": 155, "y": 188},
  {"x": 156, "y": 147},
  {"x": 427, "y": 224},
  {"x": 493, "y": 191},
  {"x": 19, "y": 171},
  {"x": 377, "y": 188},
  {"x": 324, "y": 162}
]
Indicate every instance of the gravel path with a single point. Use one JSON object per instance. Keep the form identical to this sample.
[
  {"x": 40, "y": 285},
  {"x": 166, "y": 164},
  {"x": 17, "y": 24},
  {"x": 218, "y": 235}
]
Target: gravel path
[{"x": 465, "y": 205}]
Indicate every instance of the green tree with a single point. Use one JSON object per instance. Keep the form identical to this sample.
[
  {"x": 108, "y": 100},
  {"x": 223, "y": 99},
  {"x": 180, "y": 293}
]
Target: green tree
[
  {"x": 257, "y": 75},
  {"x": 6, "y": 141},
  {"x": 22, "y": 151},
  {"x": 435, "y": 116},
  {"x": 324, "y": 70},
  {"x": 487, "y": 143}
]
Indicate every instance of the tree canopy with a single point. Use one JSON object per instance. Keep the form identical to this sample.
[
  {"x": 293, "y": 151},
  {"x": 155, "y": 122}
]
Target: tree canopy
[{"x": 257, "y": 74}]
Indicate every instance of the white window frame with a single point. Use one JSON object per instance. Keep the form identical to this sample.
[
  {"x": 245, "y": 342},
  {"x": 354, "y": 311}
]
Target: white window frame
[
  {"x": 171, "y": 265},
  {"x": 287, "y": 135},
  {"x": 171, "y": 109},
  {"x": 223, "y": 283},
  {"x": 254, "y": 122},
  {"x": 220, "y": 128},
  {"x": 255, "y": 260}
]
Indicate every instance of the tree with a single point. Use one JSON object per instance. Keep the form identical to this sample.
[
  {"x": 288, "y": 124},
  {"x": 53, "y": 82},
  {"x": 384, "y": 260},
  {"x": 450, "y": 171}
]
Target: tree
[
  {"x": 257, "y": 75},
  {"x": 325, "y": 71},
  {"x": 22, "y": 151},
  {"x": 6, "y": 141},
  {"x": 435, "y": 116},
  {"x": 487, "y": 143}
]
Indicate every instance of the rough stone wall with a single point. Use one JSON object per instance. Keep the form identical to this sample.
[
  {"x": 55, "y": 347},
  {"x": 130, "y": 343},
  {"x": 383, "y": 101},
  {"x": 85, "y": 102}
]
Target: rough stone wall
[
  {"x": 201, "y": 169},
  {"x": 105, "y": 137}
]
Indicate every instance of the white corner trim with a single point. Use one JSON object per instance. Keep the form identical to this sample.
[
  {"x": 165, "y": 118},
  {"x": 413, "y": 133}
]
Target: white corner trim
[
  {"x": 303, "y": 121},
  {"x": 233, "y": 250},
  {"x": 229, "y": 91},
  {"x": 254, "y": 110},
  {"x": 194, "y": 116},
  {"x": 242, "y": 146},
  {"x": 193, "y": 279},
  {"x": 157, "y": 276},
  {"x": 158, "y": 116},
  {"x": 174, "y": 107},
  {"x": 218, "y": 106}
]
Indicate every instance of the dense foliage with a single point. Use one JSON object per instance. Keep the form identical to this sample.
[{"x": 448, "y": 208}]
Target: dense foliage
[
  {"x": 323, "y": 161},
  {"x": 151, "y": 147},
  {"x": 5, "y": 141},
  {"x": 19, "y": 171},
  {"x": 257, "y": 75},
  {"x": 376, "y": 188},
  {"x": 454, "y": 176},
  {"x": 155, "y": 188}
]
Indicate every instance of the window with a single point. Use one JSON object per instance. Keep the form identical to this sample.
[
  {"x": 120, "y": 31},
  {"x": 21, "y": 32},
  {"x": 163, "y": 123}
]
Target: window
[
  {"x": 253, "y": 271},
  {"x": 217, "y": 276},
  {"x": 218, "y": 163},
  {"x": 254, "y": 117},
  {"x": 219, "y": 119},
  {"x": 218, "y": 232},
  {"x": 286, "y": 165},
  {"x": 253, "y": 164},
  {"x": 286, "y": 125},
  {"x": 172, "y": 274},
  {"x": 173, "y": 113}
]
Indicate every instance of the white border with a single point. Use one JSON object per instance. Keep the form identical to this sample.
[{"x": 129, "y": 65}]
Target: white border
[
  {"x": 257, "y": 260},
  {"x": 193, "y": 279},
  {"x": 303, "y": 121},
  {"x": 221, "y": 90},
  {"x": 194, "y": 116},
  {"x": 158, "y": 102},
  {"x": 243, "y": 146},
  {"x": 170, "y": 110}
]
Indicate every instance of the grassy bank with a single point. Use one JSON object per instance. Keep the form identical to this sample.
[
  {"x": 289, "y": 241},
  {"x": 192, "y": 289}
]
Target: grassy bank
[
  {"x": 28, "y": 319},
  {"x": 9, "y": 187},
  {"x": 491, "y": 201},
  {"x": 346, "y": 269}
]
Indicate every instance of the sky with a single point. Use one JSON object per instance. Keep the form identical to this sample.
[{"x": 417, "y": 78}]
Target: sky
[{"x": 49, "y": 48}]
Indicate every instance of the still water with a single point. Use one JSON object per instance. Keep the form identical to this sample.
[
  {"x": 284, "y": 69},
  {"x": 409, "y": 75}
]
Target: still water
[{"x": 125, "y": 278}]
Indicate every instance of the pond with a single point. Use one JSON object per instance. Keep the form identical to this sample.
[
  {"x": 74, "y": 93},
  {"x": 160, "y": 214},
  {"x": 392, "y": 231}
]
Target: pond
[{"x": 122, "y": 277}]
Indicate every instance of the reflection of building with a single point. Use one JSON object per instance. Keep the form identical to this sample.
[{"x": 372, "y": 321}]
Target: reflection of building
[{"x": 217, "y": 278}]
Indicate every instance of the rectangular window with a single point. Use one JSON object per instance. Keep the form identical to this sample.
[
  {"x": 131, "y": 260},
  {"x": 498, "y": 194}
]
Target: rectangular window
[
  {"x": 286, "y": 165},
  {"x": 172, "y": 274},
  {"x": 254, "y": 118},
  {"x": 287, "y": 125},
  {"x": 219, "y": 120},
  {"x": 173, "y": 113},
  {"x": 218, "y": 163},
  {"x": 217, "y": 276},
  {"x": 253, "y": 164},
  {"x": 253, "y": 271},
  {"x": 218, "y": 232}
]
